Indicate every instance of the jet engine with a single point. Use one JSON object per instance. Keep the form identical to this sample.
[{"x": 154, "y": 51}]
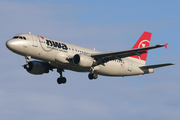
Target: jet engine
[
  {"x": 83, "y": 60},
  {"x": 36, "y": 68}
]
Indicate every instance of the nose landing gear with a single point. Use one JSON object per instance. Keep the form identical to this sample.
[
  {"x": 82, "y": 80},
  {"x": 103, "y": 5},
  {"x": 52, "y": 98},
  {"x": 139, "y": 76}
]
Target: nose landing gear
[
  {"x": 26, "y": 66},
  {"x": 61, "y": 79}
]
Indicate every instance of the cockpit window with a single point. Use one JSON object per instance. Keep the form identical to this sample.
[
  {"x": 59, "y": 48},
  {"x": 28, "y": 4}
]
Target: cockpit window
[
  {"x": 24, "y": 38},
  {"x": 15, "y": 37},
  {"x": 19, "y": 37}
]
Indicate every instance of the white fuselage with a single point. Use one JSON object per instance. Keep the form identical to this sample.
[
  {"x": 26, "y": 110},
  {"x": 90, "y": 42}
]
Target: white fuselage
[{"x": 56, "y": 53}]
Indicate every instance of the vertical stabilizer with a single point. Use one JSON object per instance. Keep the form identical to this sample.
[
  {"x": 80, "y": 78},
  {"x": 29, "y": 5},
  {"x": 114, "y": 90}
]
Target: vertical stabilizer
[{"x": 143, "y": 41}]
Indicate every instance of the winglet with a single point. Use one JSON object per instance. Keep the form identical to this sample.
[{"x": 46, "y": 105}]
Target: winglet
[{"x": 165, "y": 45}]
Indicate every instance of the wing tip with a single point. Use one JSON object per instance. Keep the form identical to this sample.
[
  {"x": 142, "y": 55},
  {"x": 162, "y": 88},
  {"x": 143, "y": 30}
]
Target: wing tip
[
  {"x": 171, "y": 64},
  {"x": 165, "y": 45}
]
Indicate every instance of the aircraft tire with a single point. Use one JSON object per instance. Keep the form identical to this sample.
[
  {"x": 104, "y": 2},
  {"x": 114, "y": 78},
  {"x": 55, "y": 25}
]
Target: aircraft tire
[
  {"x": 95, "y": 76},
  {"x": 90, "y": 76},
  {"x": 61, "y": 80}
]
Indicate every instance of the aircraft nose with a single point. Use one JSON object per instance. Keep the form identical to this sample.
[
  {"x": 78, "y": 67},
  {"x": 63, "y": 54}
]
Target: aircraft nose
[
  {"x": 9, "y": 44},
  {"x": 13, "y": 45}
]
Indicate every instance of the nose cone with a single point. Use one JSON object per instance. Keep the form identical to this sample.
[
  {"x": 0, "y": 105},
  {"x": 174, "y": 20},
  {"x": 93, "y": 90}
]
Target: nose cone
[
  {"x": 14, "y": 45},
  {"x": 10, "y": 44}
]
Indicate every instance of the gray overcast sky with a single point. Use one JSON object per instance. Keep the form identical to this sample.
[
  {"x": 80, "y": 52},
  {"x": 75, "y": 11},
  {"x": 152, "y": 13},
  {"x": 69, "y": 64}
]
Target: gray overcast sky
[{"x": 107, "y": 25}]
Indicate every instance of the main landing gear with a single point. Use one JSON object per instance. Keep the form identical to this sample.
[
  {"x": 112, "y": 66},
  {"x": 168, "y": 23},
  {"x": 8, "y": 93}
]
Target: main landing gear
[
  {"x": 92, "y": 75},
  {"x": 61, "y": 79}
]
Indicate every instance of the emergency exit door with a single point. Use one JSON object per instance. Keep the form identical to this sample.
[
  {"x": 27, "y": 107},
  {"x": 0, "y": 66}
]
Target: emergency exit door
[{"x": 35, "y": 40}]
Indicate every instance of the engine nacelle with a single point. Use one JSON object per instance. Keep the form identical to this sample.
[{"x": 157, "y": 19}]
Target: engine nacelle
[
  {"x": 36, "y": 68},
  {"x": 83, "y": 60}
]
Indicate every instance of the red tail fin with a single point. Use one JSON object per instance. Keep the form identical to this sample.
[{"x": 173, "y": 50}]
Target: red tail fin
[{"x": 143, "y": 41}]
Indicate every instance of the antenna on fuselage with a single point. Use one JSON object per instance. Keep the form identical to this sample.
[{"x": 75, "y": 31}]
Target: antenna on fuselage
[{"x": 29, "y": 32}]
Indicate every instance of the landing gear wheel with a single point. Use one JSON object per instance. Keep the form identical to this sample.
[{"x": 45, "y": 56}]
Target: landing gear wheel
[
  {"x": 61, "y": 80},
  {"x": 95, "y": 76},
  {"x": 92, "y": 76}
]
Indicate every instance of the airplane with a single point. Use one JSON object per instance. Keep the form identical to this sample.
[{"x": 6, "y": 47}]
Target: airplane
[{"x": 51, "y": 54}]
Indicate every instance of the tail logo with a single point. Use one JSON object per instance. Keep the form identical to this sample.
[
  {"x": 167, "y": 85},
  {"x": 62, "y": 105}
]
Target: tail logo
[{"x": 143, "y": 43}]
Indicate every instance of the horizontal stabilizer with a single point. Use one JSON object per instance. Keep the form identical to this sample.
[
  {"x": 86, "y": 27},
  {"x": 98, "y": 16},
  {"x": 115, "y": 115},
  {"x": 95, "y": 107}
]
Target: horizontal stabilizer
[{"x": 156, "y": 66}]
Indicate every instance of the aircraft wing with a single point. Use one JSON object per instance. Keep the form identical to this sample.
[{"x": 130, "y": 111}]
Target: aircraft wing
[{"x": 105, "y": 57}]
